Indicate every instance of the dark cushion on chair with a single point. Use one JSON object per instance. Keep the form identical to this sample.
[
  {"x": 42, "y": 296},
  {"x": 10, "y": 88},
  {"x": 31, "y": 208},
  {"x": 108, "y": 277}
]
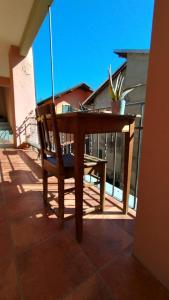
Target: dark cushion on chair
[{"x": 68, "y": 160}]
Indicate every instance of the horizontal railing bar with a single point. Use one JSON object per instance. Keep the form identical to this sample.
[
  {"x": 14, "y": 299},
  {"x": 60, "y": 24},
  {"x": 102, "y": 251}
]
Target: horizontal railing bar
[{"x": 135, "y": 103}]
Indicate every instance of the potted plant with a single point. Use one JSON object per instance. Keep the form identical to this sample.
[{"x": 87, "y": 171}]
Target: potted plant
[{"x": 118, "y": 94}]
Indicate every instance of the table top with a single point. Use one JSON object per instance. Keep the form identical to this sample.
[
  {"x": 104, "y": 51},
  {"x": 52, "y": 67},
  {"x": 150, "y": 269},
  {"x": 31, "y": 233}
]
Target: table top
[
  {"x": 84, "y": 114},
  {"x": 93, "y": 122}
]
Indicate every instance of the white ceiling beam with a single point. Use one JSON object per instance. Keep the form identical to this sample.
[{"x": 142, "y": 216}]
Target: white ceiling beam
[{"x": 36, "y": 17}]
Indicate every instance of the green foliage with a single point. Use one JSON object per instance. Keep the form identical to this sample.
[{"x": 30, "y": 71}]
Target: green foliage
[{"x": 116, "y": 91}]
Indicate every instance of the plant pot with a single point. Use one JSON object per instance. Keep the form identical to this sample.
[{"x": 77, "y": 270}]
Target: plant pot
[{"x": 118, "y": 107}]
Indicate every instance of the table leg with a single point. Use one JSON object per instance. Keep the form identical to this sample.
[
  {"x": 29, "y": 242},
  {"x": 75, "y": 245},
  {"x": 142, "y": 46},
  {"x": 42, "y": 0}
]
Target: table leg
[
  {"x": 128, "y": 154},
  {"x": 79, "y": 171}
]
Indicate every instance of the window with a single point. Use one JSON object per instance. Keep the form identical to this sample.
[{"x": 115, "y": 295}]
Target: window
[{"x": 66, "y": 108}]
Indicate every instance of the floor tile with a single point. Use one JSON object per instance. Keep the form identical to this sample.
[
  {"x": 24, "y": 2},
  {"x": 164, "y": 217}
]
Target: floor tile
[
  {"x": 3, "y": 211},
  {"x": 10, "y": 191},
  {"x": 33, "y": 228},
  {"x": 92, "y": 289},
  {"x": 102, "y": 239},
  {"x": 127, "y": 225},
  {"x": 6, "y": 248},
  {"x": 8, "y": 281},
  {"x": 24, "y": 204},
  {"x": 128, "y": 279},
  {"x": 53, "y": 269}
]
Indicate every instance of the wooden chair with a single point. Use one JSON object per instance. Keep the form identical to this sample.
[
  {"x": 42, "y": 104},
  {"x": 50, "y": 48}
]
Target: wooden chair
[{"x": 54, "y": 163}]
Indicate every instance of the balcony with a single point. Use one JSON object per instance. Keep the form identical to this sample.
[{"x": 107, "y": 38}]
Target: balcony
[
  {"x": 106, "y": 146},
  {"x": 35, "y": 260},
  {"x": 41, "y": 261}
]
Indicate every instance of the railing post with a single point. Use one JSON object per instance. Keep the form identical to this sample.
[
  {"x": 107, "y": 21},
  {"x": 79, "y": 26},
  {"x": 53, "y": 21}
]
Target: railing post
[{"x": 138, "y": 154}]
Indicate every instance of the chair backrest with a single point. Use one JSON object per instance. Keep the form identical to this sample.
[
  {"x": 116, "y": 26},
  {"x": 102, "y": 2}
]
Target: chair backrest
[{"x": 49, "y": 134}]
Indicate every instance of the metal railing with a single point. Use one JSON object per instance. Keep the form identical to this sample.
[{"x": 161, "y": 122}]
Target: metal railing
[
  {"x": 107, "y": 146},
  {"x": 102, "y": 145}
]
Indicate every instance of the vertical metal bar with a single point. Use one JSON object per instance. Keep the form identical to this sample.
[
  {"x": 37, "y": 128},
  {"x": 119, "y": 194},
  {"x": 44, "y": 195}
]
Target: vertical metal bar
[
  {"x": 105, "y": 147},
  {"x": 91, "y": 144},
  {"x": 98, "y": 145},
  {"x": 114, "y": 162},
  {"x": 87, "y": 144},
  {"x": 70, "y": 145},
  {"x": 86, "y": 138},
  {"x": 94, "y": 144},
  {"x": 62, "y": 142},
  {"x": 138, "y": 155},
  {"x": 67, "y": 150}
]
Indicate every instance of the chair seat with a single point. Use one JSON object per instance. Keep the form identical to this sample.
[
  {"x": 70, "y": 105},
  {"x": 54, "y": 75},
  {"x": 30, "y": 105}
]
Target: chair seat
[
  {"x": 92, "y": 165},
  {"x": 68, "y": 161}
]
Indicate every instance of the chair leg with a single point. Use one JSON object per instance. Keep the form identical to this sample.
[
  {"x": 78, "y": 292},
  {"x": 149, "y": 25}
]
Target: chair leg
[
  {"x": 61, "y": 199},
  {"x": 102, "y": 187},
  {"x": 45, "y": 186}
]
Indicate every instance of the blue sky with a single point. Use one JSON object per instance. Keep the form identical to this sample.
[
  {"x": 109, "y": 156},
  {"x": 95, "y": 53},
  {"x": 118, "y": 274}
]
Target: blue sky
[{"x": 85, "y": 33}]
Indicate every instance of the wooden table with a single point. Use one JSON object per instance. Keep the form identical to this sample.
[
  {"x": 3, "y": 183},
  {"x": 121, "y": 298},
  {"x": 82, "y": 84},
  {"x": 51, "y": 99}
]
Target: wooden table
[{"x": 82, "y": 123}]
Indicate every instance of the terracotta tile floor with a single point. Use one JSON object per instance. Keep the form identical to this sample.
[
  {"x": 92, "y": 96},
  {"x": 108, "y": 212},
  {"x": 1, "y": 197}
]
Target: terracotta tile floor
[{"x": 38, "y": 260}]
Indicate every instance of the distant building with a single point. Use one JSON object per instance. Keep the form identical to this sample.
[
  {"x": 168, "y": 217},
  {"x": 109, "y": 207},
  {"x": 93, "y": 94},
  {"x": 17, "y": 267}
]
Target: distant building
[
  {"x": 70, "y": 99},
  {"x": 134, "y": 71},
  {"x": 67, "y": 101}
]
